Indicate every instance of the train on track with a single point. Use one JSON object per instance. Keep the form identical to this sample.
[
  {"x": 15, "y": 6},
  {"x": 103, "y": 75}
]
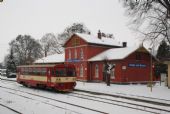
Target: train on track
[{"x": 60, "y": 77}]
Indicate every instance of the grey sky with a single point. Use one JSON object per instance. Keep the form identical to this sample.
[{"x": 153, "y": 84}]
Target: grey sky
[{"x": 37, "y": 17}]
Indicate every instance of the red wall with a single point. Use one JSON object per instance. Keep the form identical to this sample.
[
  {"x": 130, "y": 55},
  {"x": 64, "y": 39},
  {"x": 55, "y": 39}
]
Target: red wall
[
  {"x": 92, "y": 50},
  {"x": 138, "y": 73},
  {"x": 130, "y": 74},
  {"x": 88, "y": 49},
  {"x": 88, "y": 52}
]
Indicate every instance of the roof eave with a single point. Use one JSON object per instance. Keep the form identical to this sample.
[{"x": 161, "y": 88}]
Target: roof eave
[{"x": 113, "y": 46}]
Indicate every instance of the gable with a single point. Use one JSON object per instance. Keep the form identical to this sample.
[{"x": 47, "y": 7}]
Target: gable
[
  {"x": 74, "y": 40},
  {"x": 142, "y": 49}
]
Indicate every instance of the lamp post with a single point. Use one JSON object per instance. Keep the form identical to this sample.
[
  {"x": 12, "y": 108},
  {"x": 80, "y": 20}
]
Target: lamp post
[{"x": 150, "y": 69}]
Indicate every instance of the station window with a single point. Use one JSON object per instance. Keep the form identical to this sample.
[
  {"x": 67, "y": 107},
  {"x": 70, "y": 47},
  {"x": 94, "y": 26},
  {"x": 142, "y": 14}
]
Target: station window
[
  {"x": 112, "y": 71},
  {"x": 75, "y": 53},
  {"x": 69, "y": 54},
  {"x": 96, "y": 71},
  {"x": 81, "y": 70},
  {"x": 81, "y": 53}
]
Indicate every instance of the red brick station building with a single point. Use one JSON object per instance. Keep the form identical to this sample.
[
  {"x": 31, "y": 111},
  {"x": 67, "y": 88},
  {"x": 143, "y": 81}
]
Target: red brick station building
[{"x": 89, "y": 53}]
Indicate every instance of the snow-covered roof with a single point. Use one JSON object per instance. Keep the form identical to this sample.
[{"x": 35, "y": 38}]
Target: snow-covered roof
[
  {"x": 95, "y": 40},
  {"x": 56, "y": 58},
  {"x": 114, "y": 54}
]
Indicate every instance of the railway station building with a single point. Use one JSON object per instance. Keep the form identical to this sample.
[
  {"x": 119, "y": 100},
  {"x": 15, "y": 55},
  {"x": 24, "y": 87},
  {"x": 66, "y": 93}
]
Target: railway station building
[{"x": 90, "y": 53}]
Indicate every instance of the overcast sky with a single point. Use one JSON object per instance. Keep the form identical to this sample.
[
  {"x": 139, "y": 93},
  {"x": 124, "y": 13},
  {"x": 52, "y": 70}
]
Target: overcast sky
[{"x": 38, "y": 17}]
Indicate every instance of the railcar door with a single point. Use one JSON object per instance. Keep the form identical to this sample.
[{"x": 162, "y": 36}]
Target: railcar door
[
  {"x": 49, "y": 77},
  {"x": 19, "y": 72}
]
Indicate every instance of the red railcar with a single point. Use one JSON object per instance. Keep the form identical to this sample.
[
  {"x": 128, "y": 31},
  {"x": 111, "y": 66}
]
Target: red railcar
[{"x": 59, "y": 77}]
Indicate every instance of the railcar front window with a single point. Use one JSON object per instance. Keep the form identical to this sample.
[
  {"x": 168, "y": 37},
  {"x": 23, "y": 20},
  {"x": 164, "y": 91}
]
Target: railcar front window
[
  {"x": 60, "y": 72},
  {"x": 65, "y": 72},
  {"x": 71, "y": 72}
]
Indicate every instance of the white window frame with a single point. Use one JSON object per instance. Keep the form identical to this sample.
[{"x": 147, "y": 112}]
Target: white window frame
[
  {"x": 81, "y": 70},
  {"x": 112, "y": 72},
  {"x": 81, "y": 53},
  {"x": 75, "y": 53},
  {"x": 96, "y": 70},
  {"x": 69, "y": 54}
]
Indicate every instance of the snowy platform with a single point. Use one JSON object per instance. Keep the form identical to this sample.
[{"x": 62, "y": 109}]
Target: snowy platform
[{"x": 159, "y": 91}]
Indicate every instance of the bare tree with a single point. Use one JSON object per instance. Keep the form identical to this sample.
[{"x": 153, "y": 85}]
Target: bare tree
[
  {"x": 25, "y": 49},
  {"x": 50, "y": 44},
  {"x": 70, "y": 30},
  {"x": 150, "y": 17}
]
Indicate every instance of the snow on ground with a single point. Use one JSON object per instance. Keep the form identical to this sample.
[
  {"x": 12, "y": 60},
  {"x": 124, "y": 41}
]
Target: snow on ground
[
  {"x": 40, "y": 106},
  {"x": 158, "y": 91},
  {"x": 4, "y": 110}
]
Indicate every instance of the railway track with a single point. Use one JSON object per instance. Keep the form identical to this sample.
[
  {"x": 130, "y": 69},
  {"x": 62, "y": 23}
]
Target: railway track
[
  {"x": 128, "y": 104},
  {"x": 95, "y": 98},
  {"x": 133, "y": 98},
  {"x": 48, "y": 98},
  {"x": 140, "y": 104},
  {"x": 119, "y": 95},
  {"x": 9, "y": 108}
]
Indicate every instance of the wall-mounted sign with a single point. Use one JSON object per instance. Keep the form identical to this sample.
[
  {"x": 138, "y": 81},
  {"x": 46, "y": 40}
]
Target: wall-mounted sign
[
  {"x": 73, "y": 60},
  {"x": 137, "y": 65}
]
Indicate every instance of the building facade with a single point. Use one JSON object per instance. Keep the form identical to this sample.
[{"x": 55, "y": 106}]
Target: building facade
[{"x": 89, "y": 54}]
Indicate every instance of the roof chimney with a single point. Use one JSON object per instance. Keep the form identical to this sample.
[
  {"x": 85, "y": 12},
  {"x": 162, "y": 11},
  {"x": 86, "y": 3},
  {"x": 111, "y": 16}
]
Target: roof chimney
[
  {"x": 124, "y": 44},
  {"x": 99, "y": 34}
]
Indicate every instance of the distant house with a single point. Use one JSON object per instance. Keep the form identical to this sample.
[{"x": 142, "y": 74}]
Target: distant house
[{"x": 89, "y": 53}]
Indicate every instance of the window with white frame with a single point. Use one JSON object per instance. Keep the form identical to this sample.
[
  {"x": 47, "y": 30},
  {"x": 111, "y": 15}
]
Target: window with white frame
[
  {"x": 103, "y": 70},
  {"x": 75, "y": 54},
  {"x": 81, "y": 70},
  {"x": 112, "y": 71},
  {"x": 69, "y": 54},
  {"x": 81, "y": 53},
  {"x": 96, "y": 71}
]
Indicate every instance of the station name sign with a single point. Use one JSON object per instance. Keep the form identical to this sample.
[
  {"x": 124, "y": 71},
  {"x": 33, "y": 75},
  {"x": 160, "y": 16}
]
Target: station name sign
[
  {"x": 73, "y": 60},
  {"x": 137, "y": 65}
]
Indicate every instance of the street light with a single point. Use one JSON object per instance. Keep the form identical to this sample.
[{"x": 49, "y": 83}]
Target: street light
[{"x": 150, "y": 69}]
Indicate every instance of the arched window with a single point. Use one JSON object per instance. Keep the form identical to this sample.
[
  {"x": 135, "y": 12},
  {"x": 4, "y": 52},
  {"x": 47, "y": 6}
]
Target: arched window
[
  {"x": 81, "y": 70},
  {"x": 81, "y": 53},
  {"x": 96, "y": 71},
  {"x": 75, "y": 54},
  {"x": 69, "y": 54}
]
